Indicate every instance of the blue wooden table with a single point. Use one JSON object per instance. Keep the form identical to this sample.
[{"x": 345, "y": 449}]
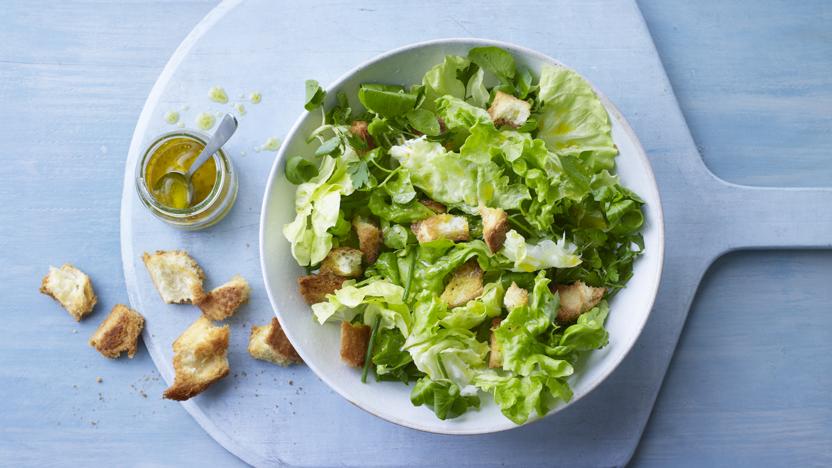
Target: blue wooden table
[{"x": 750, "y": 380}]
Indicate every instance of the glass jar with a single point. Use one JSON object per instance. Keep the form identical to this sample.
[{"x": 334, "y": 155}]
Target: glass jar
[{"x": 207, "y": 212}]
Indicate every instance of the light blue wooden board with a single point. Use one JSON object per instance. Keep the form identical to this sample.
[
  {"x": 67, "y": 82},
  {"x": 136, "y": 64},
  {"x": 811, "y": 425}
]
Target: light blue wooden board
[
  {"x": 83, "y": 70},
  {"x": 725, "y": 217}
]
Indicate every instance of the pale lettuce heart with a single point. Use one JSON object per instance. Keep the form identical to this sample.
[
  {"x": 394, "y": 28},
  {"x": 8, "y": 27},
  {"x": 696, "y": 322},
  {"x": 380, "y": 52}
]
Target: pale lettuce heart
[
  {"x": 379, "y": 299},
  {"x": 317, "y": 204},
  {"x": 545, "y": 254}
]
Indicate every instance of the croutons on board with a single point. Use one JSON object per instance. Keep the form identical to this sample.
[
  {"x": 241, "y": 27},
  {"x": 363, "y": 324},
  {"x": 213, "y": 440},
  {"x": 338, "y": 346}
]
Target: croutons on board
[
  {"x": 199, "y": 359},
  {"x": 176, "y": 275},
  {"x": 577, "y": 298},
  {"x": 72, "y": 288},
  {"x": 314, "y": 288},
  {"x": 441, "y": 226},
  {"x": 343, "y": 261},
  {"x": 118, "y": 333},
  {"x": 223, "y": 301},
  {"x": 269, "y": 343},
  {"x": 465, "y": 284},
  {"x": 369, "y": 238},
  {"x": 354, "y": 341}
]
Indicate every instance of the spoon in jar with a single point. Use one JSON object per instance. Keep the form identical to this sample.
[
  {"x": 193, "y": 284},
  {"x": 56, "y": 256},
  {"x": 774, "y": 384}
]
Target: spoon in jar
[{"x": 226, "y": 128}]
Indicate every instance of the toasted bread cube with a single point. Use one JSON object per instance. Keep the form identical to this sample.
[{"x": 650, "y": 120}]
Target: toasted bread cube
[
  {"x": 465, "y": 285},
  {"x": 441, "y": 226},
  {"x": 360, "y": 129},
  {"x": 314, "y": 288},
  {"x": 343, "y": 261},
  {"x": 223, "y": 301},
  {"x": 176, "y": 275},
  {"x": 577, "y": 298},
  {"x": 515, "y": 297},
  {"x": 119, "y": 332},
  {"x": 71, "y": 288},
  {"x": 269, "y": 343},
  {"x": 508, "y": 110},
  {"x": 354, "y": 341},
  {"x": 434, "y": 205},
  {"x": 199, "y": 359},
  {"x": 495, "y": 357},
  {"x": 369, "y": 238},
  {"x": 494, "y": 227}
]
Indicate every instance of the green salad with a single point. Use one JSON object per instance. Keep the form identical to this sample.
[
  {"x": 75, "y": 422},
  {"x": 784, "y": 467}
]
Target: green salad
[{"x": 466, "y": 231}]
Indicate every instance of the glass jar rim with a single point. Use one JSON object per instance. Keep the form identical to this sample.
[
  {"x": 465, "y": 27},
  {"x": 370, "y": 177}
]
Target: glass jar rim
[{"x": 221, "y": 160}]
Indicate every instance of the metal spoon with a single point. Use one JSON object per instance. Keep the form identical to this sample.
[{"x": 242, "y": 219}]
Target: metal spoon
[{"x": 226, "y": 128}]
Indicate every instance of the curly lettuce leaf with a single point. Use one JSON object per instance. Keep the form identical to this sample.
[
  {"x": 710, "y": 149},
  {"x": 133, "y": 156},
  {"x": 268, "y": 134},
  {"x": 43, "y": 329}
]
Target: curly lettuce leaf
[
  {"x": 443, "y": 80},
  {"x": 459, "y": 114},
  {"x": 377, "y": 298},
  {"x": 444, "y": 398},
  {"x": 488, "y": 305},
  {"x": 519, "y": 396}
]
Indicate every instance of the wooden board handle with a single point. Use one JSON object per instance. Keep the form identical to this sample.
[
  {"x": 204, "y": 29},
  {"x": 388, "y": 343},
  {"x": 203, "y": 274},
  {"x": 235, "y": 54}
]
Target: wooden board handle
[{"x": 772, "y": 218}]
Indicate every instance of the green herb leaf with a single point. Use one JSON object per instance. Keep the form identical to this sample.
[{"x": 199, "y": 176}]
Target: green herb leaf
[
  {"x": 386, "y": 100},
  {"x": 314, "y": 95},
  {"x": 328, "y": 146},
  {"x": 359, "y": 173},
  {"x": 299, "y": 170}
]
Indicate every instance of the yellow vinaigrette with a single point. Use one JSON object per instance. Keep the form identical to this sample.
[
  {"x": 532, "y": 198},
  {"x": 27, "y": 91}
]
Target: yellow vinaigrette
[{"x": 177, "y": 154}]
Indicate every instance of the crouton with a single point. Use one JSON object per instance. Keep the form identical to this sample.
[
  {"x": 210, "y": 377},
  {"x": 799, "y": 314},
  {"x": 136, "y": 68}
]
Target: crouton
[
  {"x": 369, "y": 238},
  {"x": 343, "y": 261},
  {"x": 269, "y": 343},
  {"x": 360, "y": 129},
  {"x": 71, "y": 288},
  {"x": 508, "y": 110},
  {"x": 495, "y": 357},
  {"x": 434, "y": 205},
  {"x": 119, "y": 332},
  {"x": 441, "y": 226},
  {"x": 465, "y": 285},
  {"x": 314, "y": 288},
  {"x": 577, "y": 298},
  {"x": 354, "y": 341},
  {"x": 494, "y": 227},
  {"x": 223, "y": 301},
  {"x": 176, "y": 275},
  {"x": 515, "y": 297},
  {"x": 199, "y": 359}
]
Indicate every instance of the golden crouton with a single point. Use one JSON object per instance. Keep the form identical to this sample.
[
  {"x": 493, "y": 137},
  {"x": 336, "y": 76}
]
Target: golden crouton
[
  {"x": 508, "y": 110},
  {"x": 71, "y": 288},
  {"x": 354, "y": 341},
  {"x": 119, "y": 332},
  {"x": 199, "y": 359},
  {"x": 369, "y": 238},
  {"x": 495, "y": 357},
  {"x": 515, "y": 297},
  {"x": 223, "y": 301},
  {"x": 269, "y": 343},
  {"x": 441, "y": 226},
  {"x": 465, "y": 285},
  {"x": 176, "y": 275},
  {"x": 577, "y": 298},
  {"x": 434, "y": 205},
  {"x": 494, "y": 227},
  {"x": 343, "y": 261},
  {"x": 314, "y": 288},
  {"x": 360, "y": 129}
]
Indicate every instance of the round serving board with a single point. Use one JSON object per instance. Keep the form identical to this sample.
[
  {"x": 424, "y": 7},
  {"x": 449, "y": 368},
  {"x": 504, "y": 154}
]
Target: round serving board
[{"x": 270, "y": 415}]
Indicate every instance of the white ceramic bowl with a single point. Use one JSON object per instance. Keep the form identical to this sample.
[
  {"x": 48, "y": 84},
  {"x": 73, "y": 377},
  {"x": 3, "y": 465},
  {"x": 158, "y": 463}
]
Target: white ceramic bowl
[{"x": 319, "y": 345}]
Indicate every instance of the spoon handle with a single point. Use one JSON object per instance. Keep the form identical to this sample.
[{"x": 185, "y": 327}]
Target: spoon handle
[{"x": 224, "y": 131}]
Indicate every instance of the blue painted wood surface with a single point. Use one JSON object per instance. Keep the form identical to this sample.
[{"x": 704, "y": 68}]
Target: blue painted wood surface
[{"x": 748, "y": 385}]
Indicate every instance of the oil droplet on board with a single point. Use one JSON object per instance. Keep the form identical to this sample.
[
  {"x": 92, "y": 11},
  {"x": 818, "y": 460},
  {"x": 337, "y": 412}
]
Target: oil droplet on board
[
  {"x": 217, "y": 94},
  {"x": 205, "y": 121}
]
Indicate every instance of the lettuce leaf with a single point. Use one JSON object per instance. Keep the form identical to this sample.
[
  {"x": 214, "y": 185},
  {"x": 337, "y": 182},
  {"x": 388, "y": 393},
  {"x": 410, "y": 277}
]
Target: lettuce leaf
[
  {"x": 377, "y": 298},
  {"x": 444, "y": 398},
  {"x": 573, "y": 120},
  {"x": 519, "y": 396},
  {"x": 317, "y": 205},
  {"x": 442, "y": 80},
  {"x": 459, "y": 114},
  {"x": 545, "y": 254},
  {"x": 488, "y": 305}
]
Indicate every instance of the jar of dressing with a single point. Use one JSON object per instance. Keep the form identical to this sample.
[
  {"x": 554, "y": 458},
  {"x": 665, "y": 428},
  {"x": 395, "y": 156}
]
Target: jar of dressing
[{"x": 214, "y": 184}]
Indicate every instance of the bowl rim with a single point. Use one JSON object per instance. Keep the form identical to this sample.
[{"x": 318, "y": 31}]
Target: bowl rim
[{"x": 608, "y": 105}]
